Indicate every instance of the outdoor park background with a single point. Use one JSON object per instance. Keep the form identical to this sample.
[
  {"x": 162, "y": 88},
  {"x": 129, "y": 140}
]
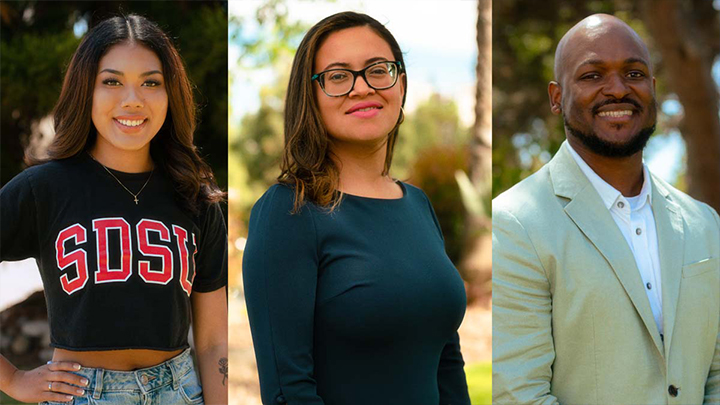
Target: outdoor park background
[
  {"x": 443, "y": 146},
  {"x": 684, "y": 42},
  {"x": 36, "y": 43}
]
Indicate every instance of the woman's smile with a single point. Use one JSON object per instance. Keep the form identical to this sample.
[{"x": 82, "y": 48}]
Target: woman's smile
[
  {"x": 131, "y": 124},
  {"x": 367, "y": 109}
]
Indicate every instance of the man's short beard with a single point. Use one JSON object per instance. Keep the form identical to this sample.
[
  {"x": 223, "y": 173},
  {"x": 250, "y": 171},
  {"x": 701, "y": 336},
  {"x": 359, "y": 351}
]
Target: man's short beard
[{"x": 611, "y": 149}]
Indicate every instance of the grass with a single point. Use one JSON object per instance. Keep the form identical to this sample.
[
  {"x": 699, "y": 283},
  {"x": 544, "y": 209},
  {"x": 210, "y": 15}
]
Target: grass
[{"x": 479, "y": 377}]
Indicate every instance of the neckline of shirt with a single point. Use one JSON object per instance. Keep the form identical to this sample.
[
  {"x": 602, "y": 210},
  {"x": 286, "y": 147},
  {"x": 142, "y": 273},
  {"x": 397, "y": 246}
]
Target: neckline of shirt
[
  {"x": 360, "y": 197},
  {"x": 125, "y": 176},
  {"x": 609, "y": 194}
]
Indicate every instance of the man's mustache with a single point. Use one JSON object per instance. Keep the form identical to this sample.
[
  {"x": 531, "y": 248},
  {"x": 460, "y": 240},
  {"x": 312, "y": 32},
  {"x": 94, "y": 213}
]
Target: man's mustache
[{"x": 623, "y": 100}]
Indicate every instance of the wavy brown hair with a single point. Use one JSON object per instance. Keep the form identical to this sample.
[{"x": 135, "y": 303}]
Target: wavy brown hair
[
  {"x": 307, "y": 163},
  {"x": 172, "y": 148}
]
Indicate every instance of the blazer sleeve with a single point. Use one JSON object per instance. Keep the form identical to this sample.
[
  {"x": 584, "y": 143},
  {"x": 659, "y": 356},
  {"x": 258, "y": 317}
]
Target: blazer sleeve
[
  {"x": 452, "y": 383},
  {"x": 18, "y": 220},
  {"x": 712, "y": 384},
  {"x": 522, "y": 347},
  {"x": 280, "y": 268}
]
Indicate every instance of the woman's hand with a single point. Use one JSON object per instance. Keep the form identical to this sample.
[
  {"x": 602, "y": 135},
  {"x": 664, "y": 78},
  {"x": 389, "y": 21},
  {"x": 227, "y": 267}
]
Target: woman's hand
[{"x": 50, "y": 382}]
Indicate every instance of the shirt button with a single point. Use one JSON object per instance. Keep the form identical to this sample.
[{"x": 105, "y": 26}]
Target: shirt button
[
  {"x": 144, "y": 379},
  {"x": 620, "y": 204},
  {"x": 280, "y": 400},
  {"x": 638, "y": 231},
  {"x": 673, "y": 391},
  {"x": 649, "y": 286}
]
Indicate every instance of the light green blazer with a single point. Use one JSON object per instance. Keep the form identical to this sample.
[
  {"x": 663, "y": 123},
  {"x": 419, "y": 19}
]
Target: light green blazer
[{"x": 572, "y": 323}]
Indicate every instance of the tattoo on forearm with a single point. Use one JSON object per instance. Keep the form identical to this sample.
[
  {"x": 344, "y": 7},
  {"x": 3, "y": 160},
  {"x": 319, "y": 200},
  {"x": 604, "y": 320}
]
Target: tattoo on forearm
[{"x": 223, "y": 363}]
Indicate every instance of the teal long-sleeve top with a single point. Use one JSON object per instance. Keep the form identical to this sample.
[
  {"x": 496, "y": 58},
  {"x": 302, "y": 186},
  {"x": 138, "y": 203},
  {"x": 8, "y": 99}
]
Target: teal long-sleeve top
[{"x": 359, "y": 306}]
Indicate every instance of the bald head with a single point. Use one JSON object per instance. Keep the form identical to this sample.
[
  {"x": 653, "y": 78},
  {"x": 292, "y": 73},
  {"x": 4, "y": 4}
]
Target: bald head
[{"x": 589, "y": 31}]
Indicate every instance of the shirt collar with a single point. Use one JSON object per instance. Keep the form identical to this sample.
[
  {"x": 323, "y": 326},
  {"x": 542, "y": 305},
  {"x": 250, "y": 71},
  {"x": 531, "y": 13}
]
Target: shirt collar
[{"x": 608, "y": 193}]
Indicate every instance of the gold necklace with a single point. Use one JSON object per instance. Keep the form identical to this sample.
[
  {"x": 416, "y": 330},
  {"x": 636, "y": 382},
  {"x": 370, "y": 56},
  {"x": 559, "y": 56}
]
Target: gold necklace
[{"x": 135, "y": 196}]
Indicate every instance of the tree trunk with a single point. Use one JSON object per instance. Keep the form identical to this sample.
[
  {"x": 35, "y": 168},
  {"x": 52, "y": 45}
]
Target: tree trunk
[
  {"x": 481, "y": 146},
  {"x": 688, "y": 36},
  {"x": 477, "y": 259}
]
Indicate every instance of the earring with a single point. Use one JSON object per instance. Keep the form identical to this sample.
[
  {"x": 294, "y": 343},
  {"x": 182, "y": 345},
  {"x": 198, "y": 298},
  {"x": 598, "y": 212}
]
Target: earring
[{"x": 401, "y": 118}]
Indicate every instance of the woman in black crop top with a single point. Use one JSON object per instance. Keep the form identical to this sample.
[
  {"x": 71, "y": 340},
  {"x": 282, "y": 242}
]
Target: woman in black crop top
[
  {"x": 123, "y": 219},
  {"x": 350, "y": 295}
]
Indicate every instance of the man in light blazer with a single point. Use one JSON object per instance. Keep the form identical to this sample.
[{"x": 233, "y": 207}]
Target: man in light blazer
[{"x": 606, "y": 280}]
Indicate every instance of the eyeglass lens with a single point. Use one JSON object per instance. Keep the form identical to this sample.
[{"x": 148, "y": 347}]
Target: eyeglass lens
[{"x": 379, "y": 76}]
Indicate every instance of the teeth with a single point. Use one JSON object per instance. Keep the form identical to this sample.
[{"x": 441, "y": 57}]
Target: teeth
[
  {"x": 131, "y": 123},
  {"x": 367, "y": 109},
  {"x": 615, "y": 113}
]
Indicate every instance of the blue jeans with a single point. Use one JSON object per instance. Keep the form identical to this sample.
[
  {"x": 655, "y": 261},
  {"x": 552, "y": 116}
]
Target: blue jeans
[{"x": 173, "y": 382}]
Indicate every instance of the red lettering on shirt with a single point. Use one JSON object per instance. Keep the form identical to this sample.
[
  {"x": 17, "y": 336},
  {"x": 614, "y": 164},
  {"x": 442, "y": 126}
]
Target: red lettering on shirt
[
  {"x": 182, "y": 238},
  {"x": 104, "y": 273},
  {"x": 77, "y": 257},
  {"x": 165, "y": 273},
  {"x": 106, "y": 246}
]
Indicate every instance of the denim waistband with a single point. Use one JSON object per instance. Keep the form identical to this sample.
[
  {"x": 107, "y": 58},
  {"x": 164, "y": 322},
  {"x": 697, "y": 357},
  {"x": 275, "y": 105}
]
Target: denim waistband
[{"x": 143, "y": 380}]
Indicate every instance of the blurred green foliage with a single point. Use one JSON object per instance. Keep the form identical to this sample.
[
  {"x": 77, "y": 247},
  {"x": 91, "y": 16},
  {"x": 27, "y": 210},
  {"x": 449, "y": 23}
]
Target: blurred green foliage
[
  {"x": 434, "y": 172},
  {"x": 38, "y": 39},
  {"x": 434, "y": 121}
]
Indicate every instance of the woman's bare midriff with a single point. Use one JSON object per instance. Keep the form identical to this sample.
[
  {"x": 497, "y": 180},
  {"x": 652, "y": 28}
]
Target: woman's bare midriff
[{"x": 120, "y": 360}]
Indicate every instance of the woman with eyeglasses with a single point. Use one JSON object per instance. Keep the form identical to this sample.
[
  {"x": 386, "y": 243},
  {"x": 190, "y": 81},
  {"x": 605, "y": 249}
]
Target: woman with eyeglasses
[
  {"x": 124, "y": 222},
  {"x": 350, "y": 295}
]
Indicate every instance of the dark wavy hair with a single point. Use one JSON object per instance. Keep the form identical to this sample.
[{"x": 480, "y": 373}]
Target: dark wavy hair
[
  {"x": 307, "y": 164},
  {"x": 172, "y": 147}
]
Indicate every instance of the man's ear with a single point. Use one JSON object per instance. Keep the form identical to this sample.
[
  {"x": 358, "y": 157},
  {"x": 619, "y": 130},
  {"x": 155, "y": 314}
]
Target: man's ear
[{"x": 555, "y": 94}]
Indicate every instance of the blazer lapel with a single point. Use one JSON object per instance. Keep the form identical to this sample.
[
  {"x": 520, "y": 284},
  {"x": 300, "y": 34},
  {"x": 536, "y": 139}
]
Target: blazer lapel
[
  {"x": 669, "y": 225},
  {"x": 595, "y": 221}
]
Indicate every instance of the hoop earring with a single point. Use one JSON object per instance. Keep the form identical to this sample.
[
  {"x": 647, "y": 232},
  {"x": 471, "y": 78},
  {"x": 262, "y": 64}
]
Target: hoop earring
[{"x": 401, "y": 119}]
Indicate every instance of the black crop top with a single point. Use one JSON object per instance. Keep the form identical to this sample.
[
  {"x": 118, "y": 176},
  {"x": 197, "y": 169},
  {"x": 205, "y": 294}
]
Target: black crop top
[{"x": 117, "y": 275}]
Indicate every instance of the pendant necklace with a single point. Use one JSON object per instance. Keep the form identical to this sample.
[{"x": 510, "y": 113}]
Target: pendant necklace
[{"x": 135, "y": 195}]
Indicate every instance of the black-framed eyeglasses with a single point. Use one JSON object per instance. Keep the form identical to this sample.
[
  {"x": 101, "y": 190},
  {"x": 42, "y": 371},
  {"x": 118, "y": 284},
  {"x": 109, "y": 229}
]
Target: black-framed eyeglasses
[{"x": 378, "y": 76}]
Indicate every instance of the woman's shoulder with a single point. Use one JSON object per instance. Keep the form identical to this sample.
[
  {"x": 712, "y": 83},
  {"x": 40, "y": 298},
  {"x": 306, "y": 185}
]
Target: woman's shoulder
[
  {"x": 277, "y": 206},
  {"x": 48, "y": 173},
  {"x": 278, "y": 198},
  {"x": 279, "y": 191},
  {"x": 59, "y": 168}
]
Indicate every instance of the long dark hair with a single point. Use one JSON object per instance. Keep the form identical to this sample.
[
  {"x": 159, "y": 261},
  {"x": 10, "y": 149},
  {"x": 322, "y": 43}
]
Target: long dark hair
[
  {"x": 172, "y": 148},
  {"x": 307, "y": 164}
]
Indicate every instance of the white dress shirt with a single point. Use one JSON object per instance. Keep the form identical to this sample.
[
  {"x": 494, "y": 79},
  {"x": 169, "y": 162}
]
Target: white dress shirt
[{"x": 634, "y": 217}]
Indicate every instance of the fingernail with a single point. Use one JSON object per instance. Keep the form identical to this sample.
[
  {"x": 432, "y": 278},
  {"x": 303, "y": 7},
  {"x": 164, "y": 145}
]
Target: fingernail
[
  {"x": 77, "y": 366},
  {"x": 84, "y": 381},
  {"x": 69, "y": 397},
  {"x": 80, "y": 392}
]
